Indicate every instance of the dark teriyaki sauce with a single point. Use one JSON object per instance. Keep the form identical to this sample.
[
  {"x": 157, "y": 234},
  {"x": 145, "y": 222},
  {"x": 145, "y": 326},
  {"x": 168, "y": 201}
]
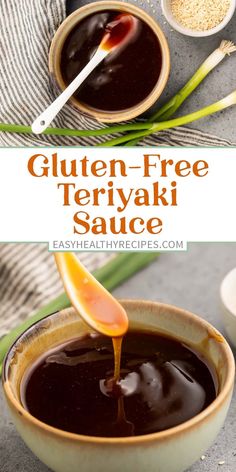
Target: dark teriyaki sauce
[
  {"x": 125, "y": 77},
  {"x": 163, "y": 383}
]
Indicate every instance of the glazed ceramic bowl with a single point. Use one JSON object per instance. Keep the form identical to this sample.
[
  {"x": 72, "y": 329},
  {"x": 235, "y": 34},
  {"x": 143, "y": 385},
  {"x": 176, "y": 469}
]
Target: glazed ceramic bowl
[
  {"x": 60, "y": 38},
  {"x": 172, "y": 450}
]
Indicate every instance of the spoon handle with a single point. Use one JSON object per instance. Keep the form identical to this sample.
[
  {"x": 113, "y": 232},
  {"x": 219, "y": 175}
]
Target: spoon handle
[{"x": 44, "y": 120}]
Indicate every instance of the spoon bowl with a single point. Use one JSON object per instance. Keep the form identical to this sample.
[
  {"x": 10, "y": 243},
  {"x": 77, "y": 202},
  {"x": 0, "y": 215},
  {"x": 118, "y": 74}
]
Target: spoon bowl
[{"x": 91, "y": 300}]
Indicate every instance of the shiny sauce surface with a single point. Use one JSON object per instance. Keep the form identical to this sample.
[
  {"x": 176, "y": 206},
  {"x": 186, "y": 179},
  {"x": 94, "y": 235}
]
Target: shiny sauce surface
[
  {"x": 125, "y": 77},
  {"x": 162, "y": 384}
]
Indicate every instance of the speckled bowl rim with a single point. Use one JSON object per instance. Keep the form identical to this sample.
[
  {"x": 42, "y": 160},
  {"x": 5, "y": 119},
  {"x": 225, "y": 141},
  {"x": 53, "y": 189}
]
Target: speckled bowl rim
[
  {"x": 67, "y": 26},
  {"x": 193, "y": 423}
]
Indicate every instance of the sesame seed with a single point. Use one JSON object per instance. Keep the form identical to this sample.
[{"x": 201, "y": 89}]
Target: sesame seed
[
  {"x": 221, "y": 463},
  {"x": 200, "y": 15}
]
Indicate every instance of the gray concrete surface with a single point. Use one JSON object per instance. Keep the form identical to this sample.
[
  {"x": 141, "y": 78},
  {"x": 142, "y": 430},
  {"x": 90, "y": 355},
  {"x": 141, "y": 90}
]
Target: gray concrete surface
[
  {"x": 190, "y": 280},
  {"x": 186, "y": 55}
]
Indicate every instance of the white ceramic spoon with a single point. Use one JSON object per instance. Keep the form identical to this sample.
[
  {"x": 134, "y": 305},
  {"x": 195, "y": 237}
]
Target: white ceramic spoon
[{"x": 118, "y": 32}]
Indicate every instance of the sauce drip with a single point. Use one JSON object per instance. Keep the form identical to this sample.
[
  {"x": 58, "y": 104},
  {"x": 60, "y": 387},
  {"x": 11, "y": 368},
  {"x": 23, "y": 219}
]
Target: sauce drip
[
  {"x": 162, "y": 383},
  {"x": 93, "y": 302},
  {"x": 117, "y": 344},
  {"x": 125, "y": 77}
]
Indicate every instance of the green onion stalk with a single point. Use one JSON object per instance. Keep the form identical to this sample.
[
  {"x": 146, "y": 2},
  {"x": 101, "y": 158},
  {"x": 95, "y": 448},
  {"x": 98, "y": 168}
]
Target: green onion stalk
[
  {"x": 226, "y": 102},
  {"x": 141, "y": 129},
  {"x": 171, "y": 107},
  {"x": 111, "y": 275},
  {"x": 22, "y": 129}
]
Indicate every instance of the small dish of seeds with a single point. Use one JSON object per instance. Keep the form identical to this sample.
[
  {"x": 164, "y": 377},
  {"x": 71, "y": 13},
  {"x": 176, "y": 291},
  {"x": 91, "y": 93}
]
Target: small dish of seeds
[{"x": 198, "y": 18}]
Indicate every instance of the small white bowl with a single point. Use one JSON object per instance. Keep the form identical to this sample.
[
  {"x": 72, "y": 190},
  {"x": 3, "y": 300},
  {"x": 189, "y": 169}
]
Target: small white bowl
[
  {"x": 166, "y": 8},
  {"x": 228, "y": 299}
]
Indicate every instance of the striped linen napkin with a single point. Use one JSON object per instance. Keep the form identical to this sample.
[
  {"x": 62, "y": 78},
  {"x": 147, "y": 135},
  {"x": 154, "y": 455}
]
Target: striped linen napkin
[{"x": 27, "y": 28}]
